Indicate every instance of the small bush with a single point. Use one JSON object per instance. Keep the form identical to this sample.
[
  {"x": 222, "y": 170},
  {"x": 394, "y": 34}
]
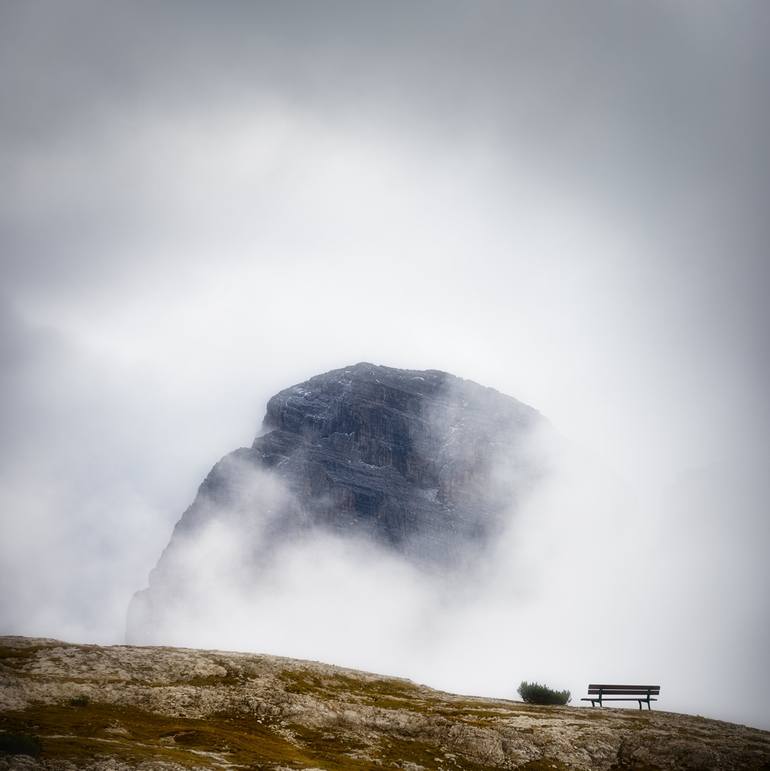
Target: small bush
[
  {"x": 80, "y": 701},
  {"x": 534, "y": 693},
  {"x": 20, "y": 744}
]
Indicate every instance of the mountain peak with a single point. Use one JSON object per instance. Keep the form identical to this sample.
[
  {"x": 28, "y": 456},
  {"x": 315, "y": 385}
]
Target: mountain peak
[{"x": 419, "y": 462}]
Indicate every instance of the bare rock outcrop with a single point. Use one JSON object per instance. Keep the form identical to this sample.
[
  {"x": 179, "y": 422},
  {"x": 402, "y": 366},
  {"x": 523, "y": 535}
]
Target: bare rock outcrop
[
  {"x": 119, "y": 708},
  {"x": 421, "y": 463}
]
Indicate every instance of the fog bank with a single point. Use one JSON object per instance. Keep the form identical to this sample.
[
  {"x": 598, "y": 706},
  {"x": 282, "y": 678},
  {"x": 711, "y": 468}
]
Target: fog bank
[{"x": 204, "y": 205}]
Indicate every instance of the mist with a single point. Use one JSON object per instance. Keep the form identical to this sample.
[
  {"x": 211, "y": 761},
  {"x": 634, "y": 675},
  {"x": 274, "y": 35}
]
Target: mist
[{"x": 204, "y": 206}]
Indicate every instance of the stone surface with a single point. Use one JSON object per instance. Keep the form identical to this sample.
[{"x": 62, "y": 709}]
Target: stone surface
[
  {"x": 420, "y": 462},
  {"x": 404, "y": 455},
  {"x": 166, "y": 708}
]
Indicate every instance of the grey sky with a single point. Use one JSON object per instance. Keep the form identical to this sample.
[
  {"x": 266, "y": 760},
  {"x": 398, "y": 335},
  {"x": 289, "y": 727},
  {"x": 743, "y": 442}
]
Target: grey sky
[{"x": 203, "y": 203}]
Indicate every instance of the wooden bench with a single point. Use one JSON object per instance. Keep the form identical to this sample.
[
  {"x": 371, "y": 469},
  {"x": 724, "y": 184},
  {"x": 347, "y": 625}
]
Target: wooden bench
[{"x": 641, "y": 693}]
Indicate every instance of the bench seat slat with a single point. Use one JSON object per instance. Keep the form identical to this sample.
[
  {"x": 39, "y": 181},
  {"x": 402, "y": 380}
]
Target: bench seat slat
[
  {"x": 630, "y": 698},
  {"x": 621, "y": 685},
  {"x": 624, "y": 693}
]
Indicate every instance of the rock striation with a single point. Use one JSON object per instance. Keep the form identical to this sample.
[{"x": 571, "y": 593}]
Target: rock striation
[
  {"x": 421, "y": 462},
  {"x": 403, "y": 456}
]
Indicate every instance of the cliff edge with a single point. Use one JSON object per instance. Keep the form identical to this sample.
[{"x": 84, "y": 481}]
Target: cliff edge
[{"x": 422, "y": 464}]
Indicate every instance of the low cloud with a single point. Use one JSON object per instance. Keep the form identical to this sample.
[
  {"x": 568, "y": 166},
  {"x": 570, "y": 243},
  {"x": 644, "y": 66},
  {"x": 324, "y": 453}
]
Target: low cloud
[
  {"x": 202, "y": 206},
  {"x": 583, "y": 582}
]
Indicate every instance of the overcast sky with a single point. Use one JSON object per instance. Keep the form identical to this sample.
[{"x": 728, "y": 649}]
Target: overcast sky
[{"x": 202, "y": 203}]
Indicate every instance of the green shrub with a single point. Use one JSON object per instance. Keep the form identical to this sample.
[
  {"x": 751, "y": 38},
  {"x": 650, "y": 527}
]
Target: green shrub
[
  {"x": 80, "y": 701},
  {"x": 534, "y": 693},
  {"x": 20, "y": 744}
]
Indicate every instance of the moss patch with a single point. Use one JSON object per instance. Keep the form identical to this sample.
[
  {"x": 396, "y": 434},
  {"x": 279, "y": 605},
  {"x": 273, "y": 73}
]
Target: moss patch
[
  {"x": 81, "y": 733},
  {"x": 97, "y": 730},
  {"x": 19, "y": 744},
  {"x": 395, "y": 750},
  {"x": 11, "y": 655}
]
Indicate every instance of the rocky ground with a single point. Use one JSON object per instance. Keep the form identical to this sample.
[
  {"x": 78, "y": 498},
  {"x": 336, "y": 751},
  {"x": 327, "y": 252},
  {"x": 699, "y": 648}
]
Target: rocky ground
[{"x": 83, "y": 706}]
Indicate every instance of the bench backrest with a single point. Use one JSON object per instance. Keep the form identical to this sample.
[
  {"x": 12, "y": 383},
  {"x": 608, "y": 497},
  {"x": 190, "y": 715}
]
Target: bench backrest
[{"x": 623, "y": 690}]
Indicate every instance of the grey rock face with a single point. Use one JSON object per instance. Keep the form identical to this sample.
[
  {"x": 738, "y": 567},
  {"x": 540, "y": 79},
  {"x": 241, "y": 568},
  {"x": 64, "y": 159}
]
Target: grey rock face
[
  {"x": 420, "y": 462},
  {"x": 401, "y": 455}
]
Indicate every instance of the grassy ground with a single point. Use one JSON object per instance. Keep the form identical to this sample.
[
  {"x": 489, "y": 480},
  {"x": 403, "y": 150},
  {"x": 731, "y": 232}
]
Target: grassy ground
[
  {"x": 207, "y": 709},
  {"x": 82, "y": 733}
]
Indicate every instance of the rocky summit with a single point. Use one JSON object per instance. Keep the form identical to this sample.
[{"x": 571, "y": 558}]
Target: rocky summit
[
  {"x": 399, "y": 453},
  {"x": 66, "y": 707},
  {"x": 423, "y": 463}
]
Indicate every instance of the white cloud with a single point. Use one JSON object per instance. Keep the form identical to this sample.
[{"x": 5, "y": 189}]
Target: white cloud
[{"x": 200, "y": 209}]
